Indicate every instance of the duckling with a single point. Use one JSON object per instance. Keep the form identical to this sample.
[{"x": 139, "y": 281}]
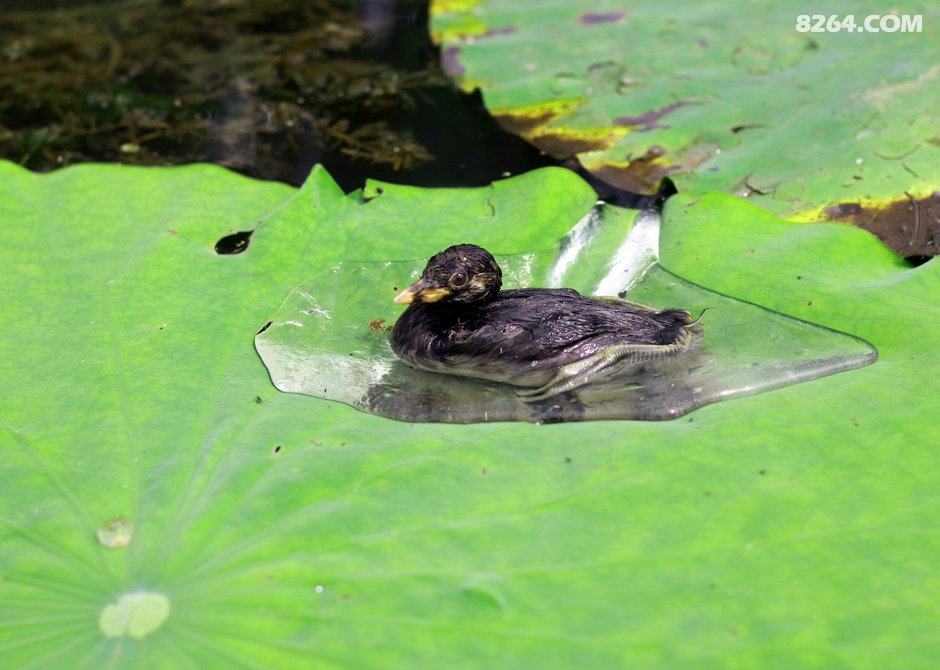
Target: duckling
[{"x": 545, "y": 340}]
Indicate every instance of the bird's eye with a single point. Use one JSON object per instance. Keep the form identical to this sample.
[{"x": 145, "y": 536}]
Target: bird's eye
[{"x": 458, "y": 279}]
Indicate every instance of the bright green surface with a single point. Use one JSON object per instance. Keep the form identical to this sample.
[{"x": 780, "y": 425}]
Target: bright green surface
[
  {"x": 789, "y": 529},
  {"x": 794, "y": 120}
]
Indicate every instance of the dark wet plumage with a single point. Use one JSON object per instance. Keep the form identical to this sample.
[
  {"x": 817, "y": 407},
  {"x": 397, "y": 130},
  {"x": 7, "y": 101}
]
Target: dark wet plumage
[{"x": 460, "y": 322}]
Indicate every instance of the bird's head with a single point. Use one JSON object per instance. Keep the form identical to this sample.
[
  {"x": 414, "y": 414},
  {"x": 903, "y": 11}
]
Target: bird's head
[{"x": 464, "y": 273}]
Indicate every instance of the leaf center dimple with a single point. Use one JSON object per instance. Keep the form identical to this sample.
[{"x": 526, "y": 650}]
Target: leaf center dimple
[{"x": 136, "y": 614}]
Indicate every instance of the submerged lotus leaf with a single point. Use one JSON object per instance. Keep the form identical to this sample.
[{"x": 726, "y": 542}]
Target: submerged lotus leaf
[
  {"x": 330, "y": 339},
  {"x": 719, "y": 97},
  {"x": 288, "y": 531}
]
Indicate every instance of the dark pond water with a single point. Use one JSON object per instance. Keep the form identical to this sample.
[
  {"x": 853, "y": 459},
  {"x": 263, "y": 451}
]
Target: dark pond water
[
  {"x": 269, "y": 88},
  {"x": 265, "y": 88}
]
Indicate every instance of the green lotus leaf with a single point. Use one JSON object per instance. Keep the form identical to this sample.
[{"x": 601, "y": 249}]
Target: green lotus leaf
[
  {"x": 270, "y": 529},
  {"x": 834, "y": 124}
]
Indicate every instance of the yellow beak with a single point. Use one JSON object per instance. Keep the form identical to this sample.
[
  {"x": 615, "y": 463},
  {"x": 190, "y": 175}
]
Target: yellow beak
[{"x": 421, "y": 291}]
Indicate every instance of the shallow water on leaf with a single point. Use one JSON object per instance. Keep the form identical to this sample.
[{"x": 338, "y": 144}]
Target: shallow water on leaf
[{"x": 329, "y": 339}]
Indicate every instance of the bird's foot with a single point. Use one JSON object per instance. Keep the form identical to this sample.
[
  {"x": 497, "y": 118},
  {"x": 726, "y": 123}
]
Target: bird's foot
[{"x": 604, "y": 363}]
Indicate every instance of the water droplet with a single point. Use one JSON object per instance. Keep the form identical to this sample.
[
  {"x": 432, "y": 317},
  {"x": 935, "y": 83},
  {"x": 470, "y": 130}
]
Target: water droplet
[
  {"x": 136, "y": 614},
  {"x": 319, "y": 588},
  {"x": 116, "y": 533}
]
